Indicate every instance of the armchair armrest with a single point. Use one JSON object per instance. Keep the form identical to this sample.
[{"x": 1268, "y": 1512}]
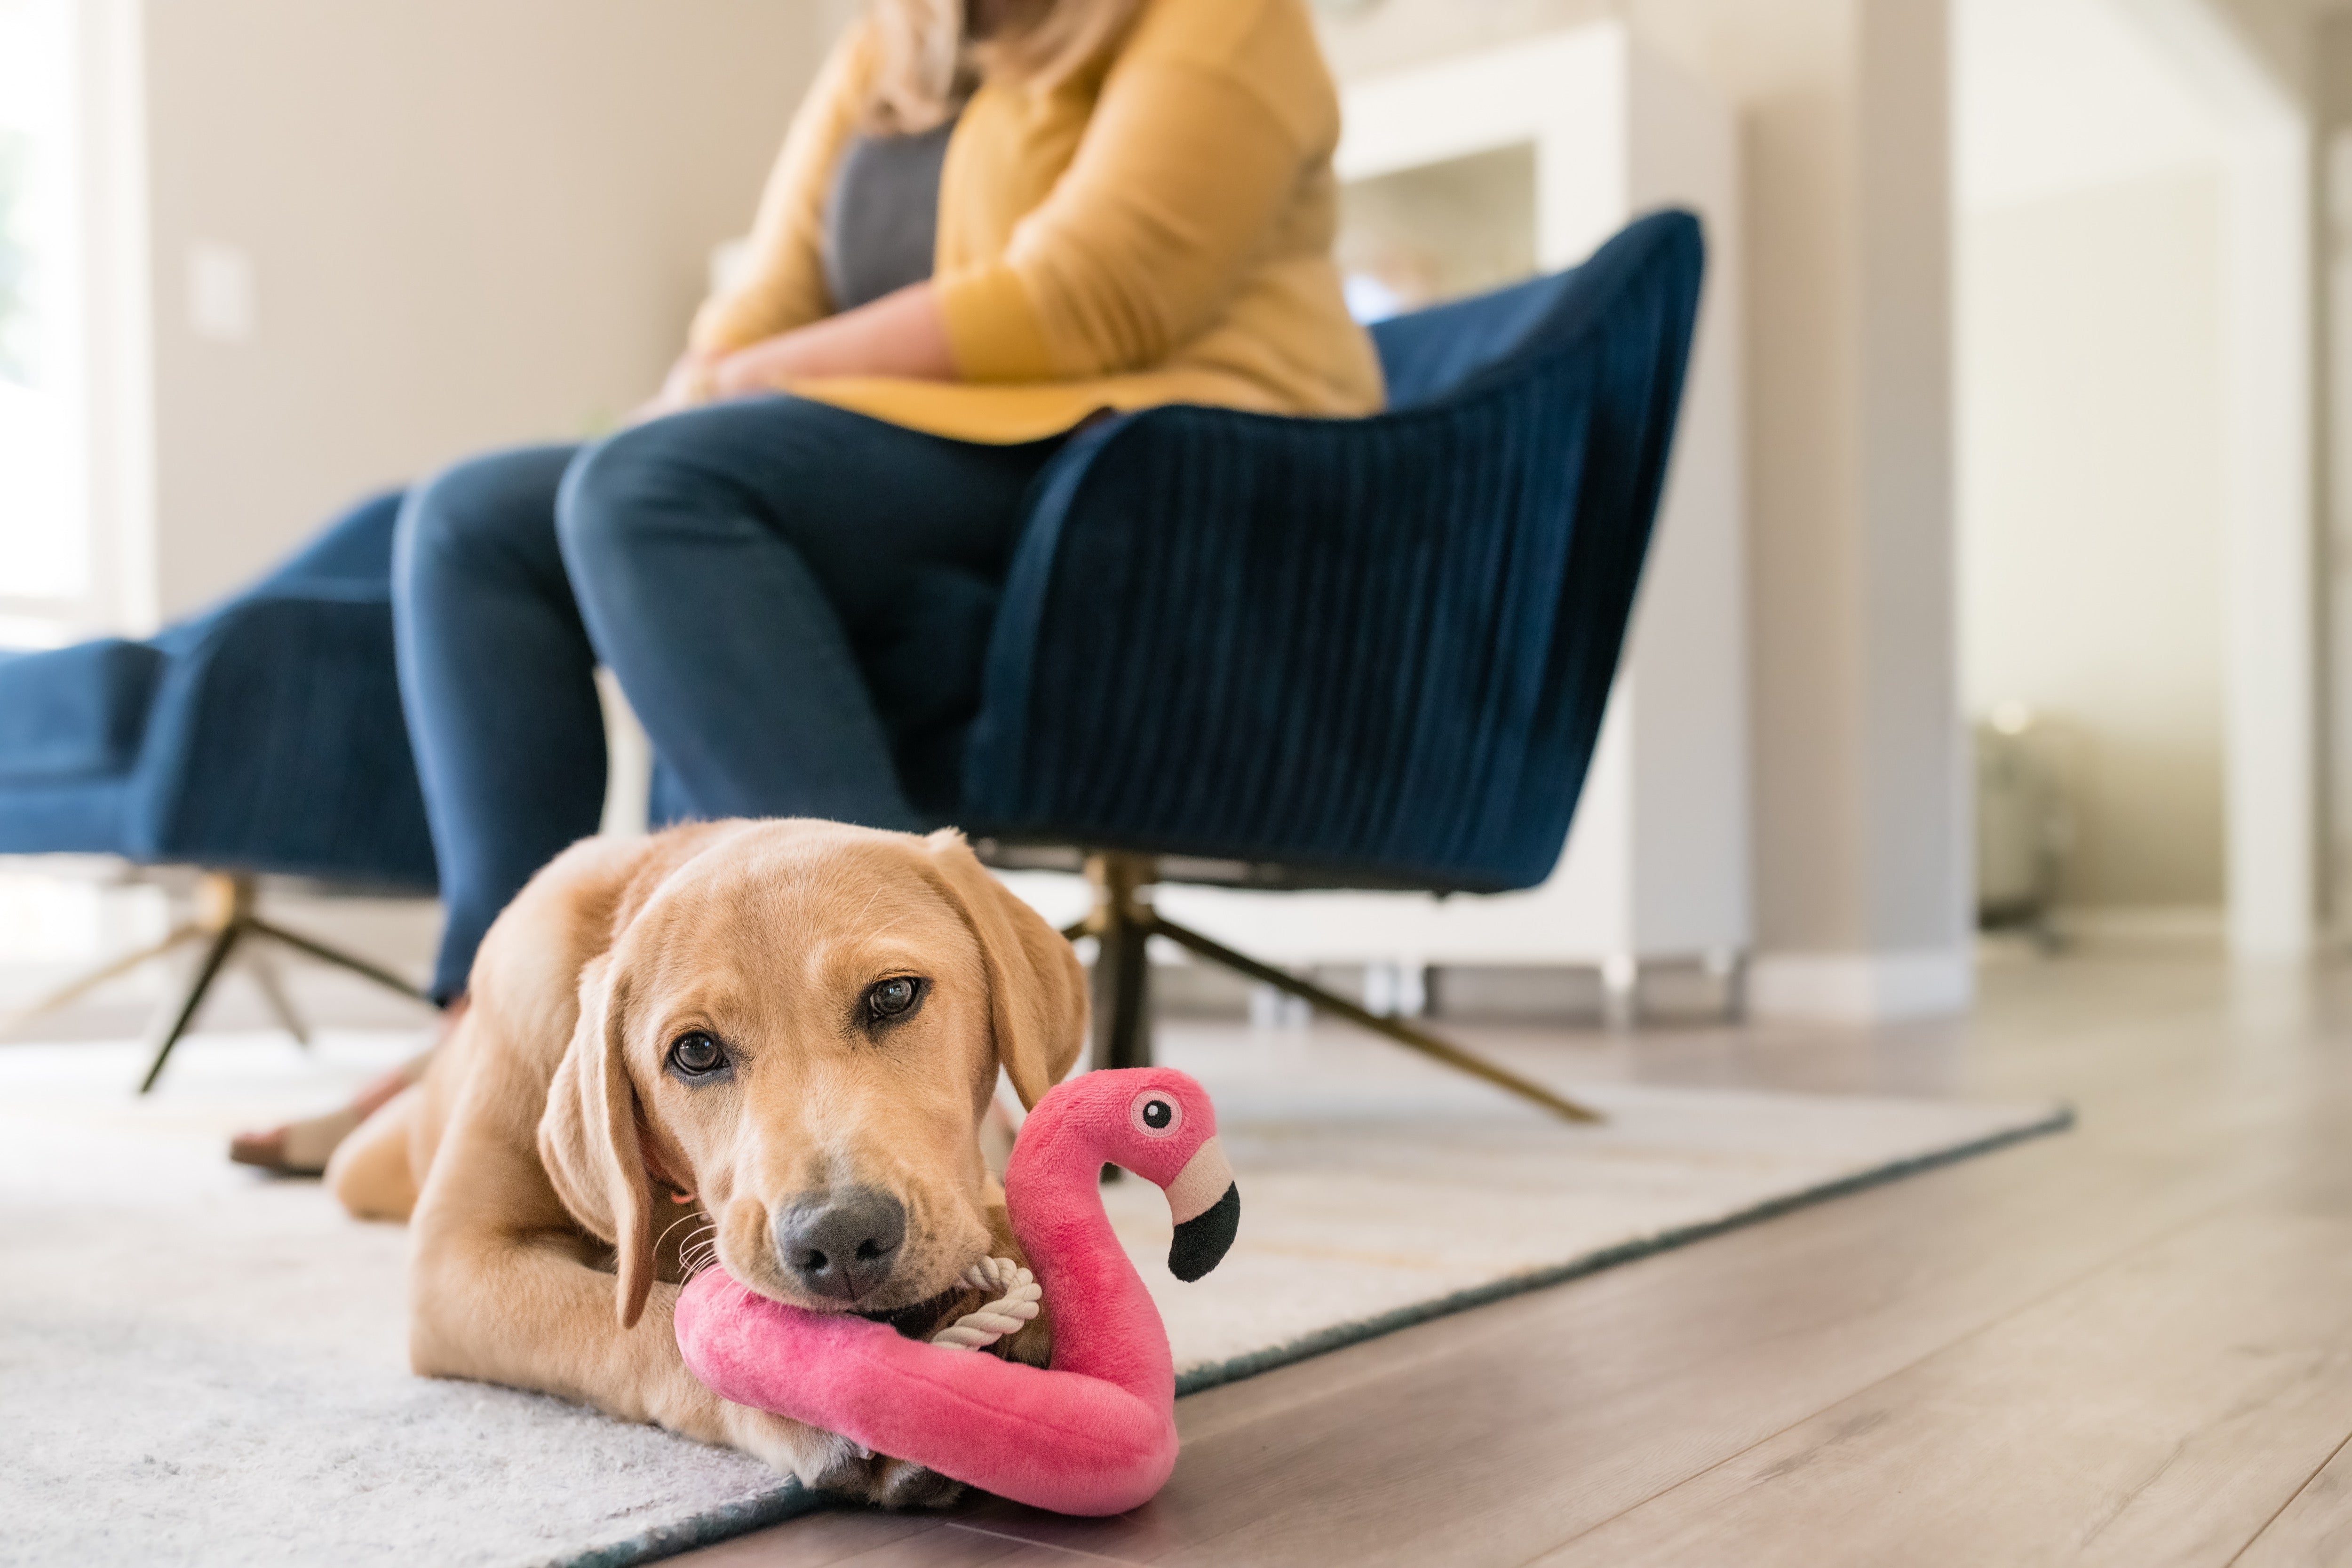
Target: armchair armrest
[
  {"x": 277, "y": 743},
  {"x": 1369, "y": 650},
  {"x": 74, "y": 713}
]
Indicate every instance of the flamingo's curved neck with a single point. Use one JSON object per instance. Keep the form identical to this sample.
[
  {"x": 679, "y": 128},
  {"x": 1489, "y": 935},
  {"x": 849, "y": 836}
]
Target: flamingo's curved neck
[{"x": 1105, "y": 1325}]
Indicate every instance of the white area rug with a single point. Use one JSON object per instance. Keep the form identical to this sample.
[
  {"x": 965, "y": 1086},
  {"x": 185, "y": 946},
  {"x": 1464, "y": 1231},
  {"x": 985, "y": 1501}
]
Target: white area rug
[{"x": 201, "y": 1366}]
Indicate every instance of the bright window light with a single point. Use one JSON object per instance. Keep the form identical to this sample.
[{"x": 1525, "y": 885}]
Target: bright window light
[{"x": 44, "y": 533}]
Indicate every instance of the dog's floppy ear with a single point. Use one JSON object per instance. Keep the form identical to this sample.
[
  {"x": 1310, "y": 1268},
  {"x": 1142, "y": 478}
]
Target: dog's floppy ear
[
  {"x": 588, "y": 1139},
  {"x": 1036, "y": 987}
]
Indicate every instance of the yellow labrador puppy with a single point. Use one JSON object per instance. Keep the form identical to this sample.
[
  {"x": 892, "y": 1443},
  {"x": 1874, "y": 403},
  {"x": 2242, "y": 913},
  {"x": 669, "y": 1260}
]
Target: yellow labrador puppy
[{"x": 767, "y": 1044}]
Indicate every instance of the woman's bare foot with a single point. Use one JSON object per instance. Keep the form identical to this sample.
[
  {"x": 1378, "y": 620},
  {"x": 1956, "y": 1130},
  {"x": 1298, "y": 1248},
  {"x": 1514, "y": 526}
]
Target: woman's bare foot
[{"x": 302, "y": 1148}]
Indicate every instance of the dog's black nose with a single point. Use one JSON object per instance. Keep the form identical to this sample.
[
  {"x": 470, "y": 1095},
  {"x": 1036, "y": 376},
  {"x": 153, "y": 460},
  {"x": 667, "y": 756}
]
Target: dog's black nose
[{"x": 843, "y": 1242}]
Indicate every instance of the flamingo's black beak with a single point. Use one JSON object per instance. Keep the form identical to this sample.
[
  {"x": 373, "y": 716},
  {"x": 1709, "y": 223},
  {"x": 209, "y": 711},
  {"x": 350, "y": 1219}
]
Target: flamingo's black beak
[
  {"x": 1202, "y": 1241},
  {"x": 1207, "y": 1207}
]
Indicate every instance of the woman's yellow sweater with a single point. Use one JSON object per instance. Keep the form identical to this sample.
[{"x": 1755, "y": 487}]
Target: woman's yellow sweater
[{"x": 1156, "y": 229}]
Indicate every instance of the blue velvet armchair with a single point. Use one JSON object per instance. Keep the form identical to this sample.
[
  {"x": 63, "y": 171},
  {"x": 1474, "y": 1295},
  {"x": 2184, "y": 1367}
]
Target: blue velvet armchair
[
  {"x": 262, "y": 736},
  {"x": 1373, "y": 652}
]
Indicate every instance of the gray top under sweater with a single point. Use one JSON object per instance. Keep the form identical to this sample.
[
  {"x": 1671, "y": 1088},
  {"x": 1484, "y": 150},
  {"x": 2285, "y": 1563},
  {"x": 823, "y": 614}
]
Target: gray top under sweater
[{"x": 882, "y": 218}]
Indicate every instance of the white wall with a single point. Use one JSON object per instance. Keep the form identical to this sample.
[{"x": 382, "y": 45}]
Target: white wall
[
  {"x": 2093, "y": 464},
  {"x": 467, "y": 223}
]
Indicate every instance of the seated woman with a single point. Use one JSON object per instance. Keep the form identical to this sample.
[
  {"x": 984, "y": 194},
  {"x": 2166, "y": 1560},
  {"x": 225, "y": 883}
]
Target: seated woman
[{"x": 991, "y": 221}]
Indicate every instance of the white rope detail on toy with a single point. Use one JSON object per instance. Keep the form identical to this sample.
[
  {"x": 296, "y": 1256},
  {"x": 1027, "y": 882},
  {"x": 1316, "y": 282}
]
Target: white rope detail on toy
[{"x": 1017, "y": 1295}]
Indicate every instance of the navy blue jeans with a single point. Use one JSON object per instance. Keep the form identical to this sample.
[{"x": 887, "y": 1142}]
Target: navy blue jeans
[{"x": 796, "y": 600}]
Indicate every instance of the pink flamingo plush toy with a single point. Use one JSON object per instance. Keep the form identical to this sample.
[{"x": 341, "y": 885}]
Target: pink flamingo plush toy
[{"x": 1094, "y": 1434}]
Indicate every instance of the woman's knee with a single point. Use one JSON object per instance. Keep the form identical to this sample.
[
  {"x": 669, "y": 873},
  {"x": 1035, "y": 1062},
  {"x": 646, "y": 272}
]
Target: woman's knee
[
  {"x": 591, "y": 510},
  {"x": 757, "y": 471},
  {"x": 475, "y": 514},
  {"x": 630, "y": 493}
]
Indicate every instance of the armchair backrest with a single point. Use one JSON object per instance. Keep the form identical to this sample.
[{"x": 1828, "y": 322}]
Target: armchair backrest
[
  {"x": 1436, "y": 352},
  {"x": 353, "y": 551},
  {"x": 349, "y": 560}
]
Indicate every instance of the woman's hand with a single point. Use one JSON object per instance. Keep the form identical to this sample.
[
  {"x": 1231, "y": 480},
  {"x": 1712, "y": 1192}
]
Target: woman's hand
[
  {"x": 689, "y": 385},
  {"x": 763, "y": 367},
  {"x": 900, "y": 334}
]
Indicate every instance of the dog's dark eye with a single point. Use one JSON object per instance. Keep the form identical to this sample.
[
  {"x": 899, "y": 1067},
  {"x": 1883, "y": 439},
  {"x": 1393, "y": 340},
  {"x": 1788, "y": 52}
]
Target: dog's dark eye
[
  {"x": 695, "y": 1055},
  {"x": 892, "y": 998}
]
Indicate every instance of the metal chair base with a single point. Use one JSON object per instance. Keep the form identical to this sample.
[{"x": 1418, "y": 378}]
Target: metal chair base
[
  {"x": 228, "y": 925},
  {"x": 1123, "y": 921}
]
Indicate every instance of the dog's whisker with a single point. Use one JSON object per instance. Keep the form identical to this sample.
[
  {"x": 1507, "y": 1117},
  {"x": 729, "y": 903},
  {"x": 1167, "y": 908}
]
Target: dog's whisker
[
  {"x": 689, "y": 1214},
  {"x": 698, "y": 1249}
]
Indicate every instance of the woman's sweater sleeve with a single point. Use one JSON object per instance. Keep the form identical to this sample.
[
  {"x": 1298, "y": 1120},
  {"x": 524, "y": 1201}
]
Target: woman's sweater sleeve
[
  {"x": 782, "y": 286},
  {"x": 1183, "y": 170}
]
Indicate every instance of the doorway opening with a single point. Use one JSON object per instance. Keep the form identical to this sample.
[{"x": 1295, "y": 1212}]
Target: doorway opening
[{"x": 2130, "y": 297}]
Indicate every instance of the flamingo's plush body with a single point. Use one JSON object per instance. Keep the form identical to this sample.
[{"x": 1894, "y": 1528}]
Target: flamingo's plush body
[{"x": 1096, "y": 1433}]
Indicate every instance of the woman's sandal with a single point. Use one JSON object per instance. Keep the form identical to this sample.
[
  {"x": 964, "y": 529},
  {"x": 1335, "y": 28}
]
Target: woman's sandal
[
  {"x": 303, "y": 1148},
  {"x": 298, "y": 1148}
]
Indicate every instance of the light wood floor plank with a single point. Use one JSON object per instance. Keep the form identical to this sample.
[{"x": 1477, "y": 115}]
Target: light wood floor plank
[
  {"x": 2160, "y": 1412},
  {"x": 2314, "y": 1529},
  {"x": 1022, "y": 1552}
]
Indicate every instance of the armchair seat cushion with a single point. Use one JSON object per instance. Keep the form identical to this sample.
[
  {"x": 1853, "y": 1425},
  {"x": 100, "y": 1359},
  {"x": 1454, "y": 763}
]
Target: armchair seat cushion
[
  {"x": 74, "y": 712},
  {"x": 64, "y": 816}
]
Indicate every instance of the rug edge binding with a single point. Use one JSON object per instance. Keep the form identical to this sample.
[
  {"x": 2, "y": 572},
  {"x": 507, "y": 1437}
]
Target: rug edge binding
[{"x": 1214, "y": 1374}]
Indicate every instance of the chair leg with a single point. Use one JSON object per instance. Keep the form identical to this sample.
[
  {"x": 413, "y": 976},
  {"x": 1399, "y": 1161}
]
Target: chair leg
[
  {"x": 1396, "y": 1029},
  {"x": 225, "y": 916},
  {"x": 1121, "y": 926},
  {"x": 263, "y": 970},
  {"x": 75, "y": 989},
  {"x": 208, "y": 969},
  {"x": 336, "y": 956},
  {"x": 1123, "y": 923}
]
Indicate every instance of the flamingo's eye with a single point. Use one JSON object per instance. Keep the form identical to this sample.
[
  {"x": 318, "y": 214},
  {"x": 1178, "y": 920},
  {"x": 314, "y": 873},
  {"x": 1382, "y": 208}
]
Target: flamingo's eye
[{"x": 1156, "y": 1113}]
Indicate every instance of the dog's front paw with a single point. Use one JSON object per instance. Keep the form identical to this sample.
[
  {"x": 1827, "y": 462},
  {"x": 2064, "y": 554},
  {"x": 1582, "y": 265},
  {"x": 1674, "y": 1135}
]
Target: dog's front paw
[
  {"x": 827, "y": 1462},
  {"x": 884, "y": 1481},
  {"x": 794, "y": 1448}
]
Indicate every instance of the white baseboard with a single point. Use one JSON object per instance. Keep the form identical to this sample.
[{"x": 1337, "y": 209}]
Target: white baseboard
[{"x": 1862, "y": 987}]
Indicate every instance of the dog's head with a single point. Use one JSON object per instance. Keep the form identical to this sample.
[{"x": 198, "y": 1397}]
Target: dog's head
[{"x": 801, "y": 1023}]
